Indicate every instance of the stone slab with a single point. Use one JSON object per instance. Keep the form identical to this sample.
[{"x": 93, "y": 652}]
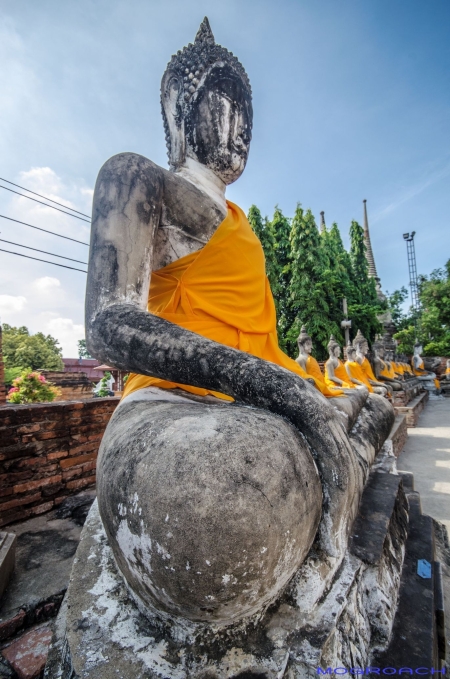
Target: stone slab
[
  {"x": 413, "y": 410},
  {"x": 375, "y": 513},
  {"x": 8, "y": 543},
  {"x": 398, "y": 436},
  {"x": 414, "y": 641}
]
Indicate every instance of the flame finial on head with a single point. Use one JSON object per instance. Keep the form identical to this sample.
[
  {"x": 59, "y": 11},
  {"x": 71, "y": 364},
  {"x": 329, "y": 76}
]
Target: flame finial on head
[
  {"x": 303, "y": 337},
  {"x": 204, "y": 33}
]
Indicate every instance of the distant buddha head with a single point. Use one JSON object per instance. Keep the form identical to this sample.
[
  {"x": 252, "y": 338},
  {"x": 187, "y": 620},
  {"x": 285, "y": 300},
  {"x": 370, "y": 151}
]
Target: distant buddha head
[
  {"x": 350, "y": 352},
  {"x": 360, "y": 343},
  {"x": 333, "y": 348},
  {"x": 304, "y": 341},
  {"x": 378, "y": 349},
  {"x": 418, "y": 348},
  {"x": 207, "y": 107}
]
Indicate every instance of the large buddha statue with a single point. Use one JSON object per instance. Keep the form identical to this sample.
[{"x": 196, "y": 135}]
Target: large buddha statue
[{"x": 223, "y": 464}]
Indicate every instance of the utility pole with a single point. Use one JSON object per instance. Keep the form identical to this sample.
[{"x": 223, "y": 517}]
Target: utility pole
[{"x": 346, "y": 324}]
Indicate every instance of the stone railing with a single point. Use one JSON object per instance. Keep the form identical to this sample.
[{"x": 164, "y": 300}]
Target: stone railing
[{"x": 47, "y": 452}]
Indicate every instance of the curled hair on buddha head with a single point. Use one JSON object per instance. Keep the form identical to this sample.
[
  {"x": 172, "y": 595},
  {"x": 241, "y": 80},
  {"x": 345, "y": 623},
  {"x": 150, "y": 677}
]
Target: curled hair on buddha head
[
  {"x": 183, "y": 79},
  {"x": 303, "y": 337},
  {"x": 332, "y": 344}
]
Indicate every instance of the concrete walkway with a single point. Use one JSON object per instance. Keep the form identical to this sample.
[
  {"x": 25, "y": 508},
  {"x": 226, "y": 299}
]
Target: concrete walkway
[{"x": 427, "y": 455}]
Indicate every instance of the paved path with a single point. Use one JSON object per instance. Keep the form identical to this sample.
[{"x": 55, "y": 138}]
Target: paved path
[{"x": 427, "y": 455}]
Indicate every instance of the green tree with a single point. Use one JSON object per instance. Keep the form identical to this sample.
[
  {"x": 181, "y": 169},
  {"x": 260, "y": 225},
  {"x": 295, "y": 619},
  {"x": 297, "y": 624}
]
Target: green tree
[
  {"x": 395, "y": 306},
  {"x": 39, "y": 351},
  {"x": 308, "y": 295},
  {"x": 281, "y": 229},
  {"x": 434, "y": 292},
  {"x": 82, "y": 350},
  {"x": 364, "y": 306},
  {"x": 264, "y": 230}
]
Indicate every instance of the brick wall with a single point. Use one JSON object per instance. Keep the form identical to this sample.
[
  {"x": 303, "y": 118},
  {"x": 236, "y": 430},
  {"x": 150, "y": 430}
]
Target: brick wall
[
  {"x": 2, "y": 373},
  {"x": 47, "y": 452}
]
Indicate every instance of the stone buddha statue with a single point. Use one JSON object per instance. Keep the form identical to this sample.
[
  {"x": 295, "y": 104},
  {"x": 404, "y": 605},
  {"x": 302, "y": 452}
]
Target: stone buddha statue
[
  {"x": 428, "y": 378},
  {"x": 335, "y": 372},
  {"x": 309, "y": 364},
  {"x": 383, "y": 369},
  {"x": 362, "y": 348},
  {"x": 447, "y": 370},
  {"x": 222, "y": 465}
]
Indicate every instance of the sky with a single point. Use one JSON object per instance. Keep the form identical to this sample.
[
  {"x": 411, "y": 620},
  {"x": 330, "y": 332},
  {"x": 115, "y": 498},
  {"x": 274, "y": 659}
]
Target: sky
[{"x": 351, "y": 102}]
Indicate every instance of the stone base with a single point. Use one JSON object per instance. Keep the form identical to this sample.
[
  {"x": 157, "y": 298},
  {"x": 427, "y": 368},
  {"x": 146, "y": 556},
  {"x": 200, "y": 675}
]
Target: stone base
[
  {"x": 445, "y": 387},
  {"x": 413, "y": 409},
  {"x": 411, "y": 389},
  {"x": 102, "y": 634},
  {"x": 8, "y": 543}
]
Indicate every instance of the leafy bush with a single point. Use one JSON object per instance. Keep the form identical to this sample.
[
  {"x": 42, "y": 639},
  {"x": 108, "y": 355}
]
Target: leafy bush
[{"x": 32, "y": 387}]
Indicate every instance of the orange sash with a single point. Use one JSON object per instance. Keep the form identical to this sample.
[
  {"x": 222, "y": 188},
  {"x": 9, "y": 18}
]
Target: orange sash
[
  {"x": 341, "y": 374},
  {"x": 358, "y": 373},
  {"x": 221, "y": 292}
]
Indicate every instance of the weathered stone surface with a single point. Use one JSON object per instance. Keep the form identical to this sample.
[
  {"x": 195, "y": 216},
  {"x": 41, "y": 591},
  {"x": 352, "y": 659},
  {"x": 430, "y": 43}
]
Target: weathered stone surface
[
  {"x": 28, "y": 654},
  {"x": 209, "y": 510},
  {"x": 413, "y": 409},
  {"x": 105, "y": 635}
]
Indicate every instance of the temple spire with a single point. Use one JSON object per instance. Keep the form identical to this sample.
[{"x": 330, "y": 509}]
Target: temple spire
[
  {"x": 369, "y": 253},
  {"x": 323, "y": 227}
]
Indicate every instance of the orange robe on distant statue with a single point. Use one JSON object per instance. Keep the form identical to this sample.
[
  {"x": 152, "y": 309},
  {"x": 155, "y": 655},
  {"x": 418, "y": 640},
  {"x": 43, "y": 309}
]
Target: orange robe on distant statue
[
  {"x": 421, "y": 374},
  {"x": 313, "y": 369},
  {"x": 388, "y": 372},
  {"x": 367, "y": 369},
  {"x": 221, "y": 292},
  {"x": 358, "y": 373},
  {"x": 341, "y": 373}
]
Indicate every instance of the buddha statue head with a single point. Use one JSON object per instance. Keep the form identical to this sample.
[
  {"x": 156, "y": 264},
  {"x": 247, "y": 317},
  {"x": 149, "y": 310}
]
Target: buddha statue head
[
  {"x": 418, "y": 348},
  {"x": 360, "y": 343},
  {"x": 333, "y": 347},
  {"x": 378, "y": 349},
  {"x": 206, "y": 104},
  {"x": 350, "y": 352},
  {"x": 304, "y": 341}
]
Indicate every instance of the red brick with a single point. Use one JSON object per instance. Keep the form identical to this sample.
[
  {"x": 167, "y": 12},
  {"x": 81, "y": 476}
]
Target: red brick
[
  {"x": 10, "y": 626},
  {"x": 72, "y": 473},
  {"x": 39, "y": 483},
  {"x": 58, "y": 455},
  {"x": 27, "y": 500},
  {"x": 5, "y": 492},
  {"x": 60, "y": 499},
  {"x": 80, "y": 483},
  {"x": 41, "y": 509},
  {"x": 72, "y": 461},
  {"x": 13, "y": 515},
  {"x": 90, "y": 465},
  {"x": 28, "y": 655},
  {"x": 28, "y": 428}
]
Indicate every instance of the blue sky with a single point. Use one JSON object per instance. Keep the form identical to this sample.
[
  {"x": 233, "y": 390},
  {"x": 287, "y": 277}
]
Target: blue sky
[{"x": 351, "y": 101}]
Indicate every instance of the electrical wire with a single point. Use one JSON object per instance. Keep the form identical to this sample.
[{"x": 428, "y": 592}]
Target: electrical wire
[
  {"x": 42, "y": 260},
  {"x": 44, "y": 252},
  {"x": 46, "y": 204},
  {"x": 45, "y": 230},
  {"x": 44, "y": 197}
]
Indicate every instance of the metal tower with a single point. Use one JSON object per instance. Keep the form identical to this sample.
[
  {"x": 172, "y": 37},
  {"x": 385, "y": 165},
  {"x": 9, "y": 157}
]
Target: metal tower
[{"x": 411, "y": 251}]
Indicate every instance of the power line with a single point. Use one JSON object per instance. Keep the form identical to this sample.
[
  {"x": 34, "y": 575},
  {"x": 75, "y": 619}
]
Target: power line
[
  {"x": 45, "y": 197},
  {"x": 43, "y": 251},
  {"x": 42, "y": 260},
  {"x": 45, "y": 230},
  {"x": 46, "y": 204}
]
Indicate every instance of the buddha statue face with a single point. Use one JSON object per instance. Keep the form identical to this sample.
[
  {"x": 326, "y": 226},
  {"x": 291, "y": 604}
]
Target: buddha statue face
[
  {"x": 337, "y": 351},
  {"x": 218, "y": 124},
  {"x": 351, "y": 353},
  {"x": 207, "y": 108}
]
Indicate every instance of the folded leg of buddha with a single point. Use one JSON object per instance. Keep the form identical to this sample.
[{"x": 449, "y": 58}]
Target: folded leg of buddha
[{"x": 224, "y": 471}]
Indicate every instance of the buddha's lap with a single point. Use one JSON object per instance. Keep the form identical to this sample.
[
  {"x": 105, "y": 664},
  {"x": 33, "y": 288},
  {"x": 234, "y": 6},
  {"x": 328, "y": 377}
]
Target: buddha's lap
[{"x": 209, "y": 509}]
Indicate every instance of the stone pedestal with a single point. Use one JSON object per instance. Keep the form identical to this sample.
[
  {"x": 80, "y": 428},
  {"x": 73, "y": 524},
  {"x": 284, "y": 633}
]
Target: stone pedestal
[{"x": 102, "y": 634}]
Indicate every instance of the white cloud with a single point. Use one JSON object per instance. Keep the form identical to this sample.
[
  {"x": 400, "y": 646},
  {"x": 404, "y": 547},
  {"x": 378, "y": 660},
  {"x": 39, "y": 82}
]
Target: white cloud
[
  {"x": 10, "y": 304},
  {"x": 46, "y": 283},
  {"x": 68, "y": 333}
]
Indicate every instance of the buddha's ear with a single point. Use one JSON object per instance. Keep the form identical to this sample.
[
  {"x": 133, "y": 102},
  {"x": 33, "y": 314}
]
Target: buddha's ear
[{"x": 172, "y": 92}]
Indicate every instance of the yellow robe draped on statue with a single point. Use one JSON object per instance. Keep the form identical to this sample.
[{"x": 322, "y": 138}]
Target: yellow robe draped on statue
[
  {"x": 222, "y": 293},
  {"x": 420, "y": 374},
  {"x": 358, "y": 373},
  {"x": 313, "y": 370},
  {"x": 388, "y": 372},
  {"x": 341, "y": 374}
]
